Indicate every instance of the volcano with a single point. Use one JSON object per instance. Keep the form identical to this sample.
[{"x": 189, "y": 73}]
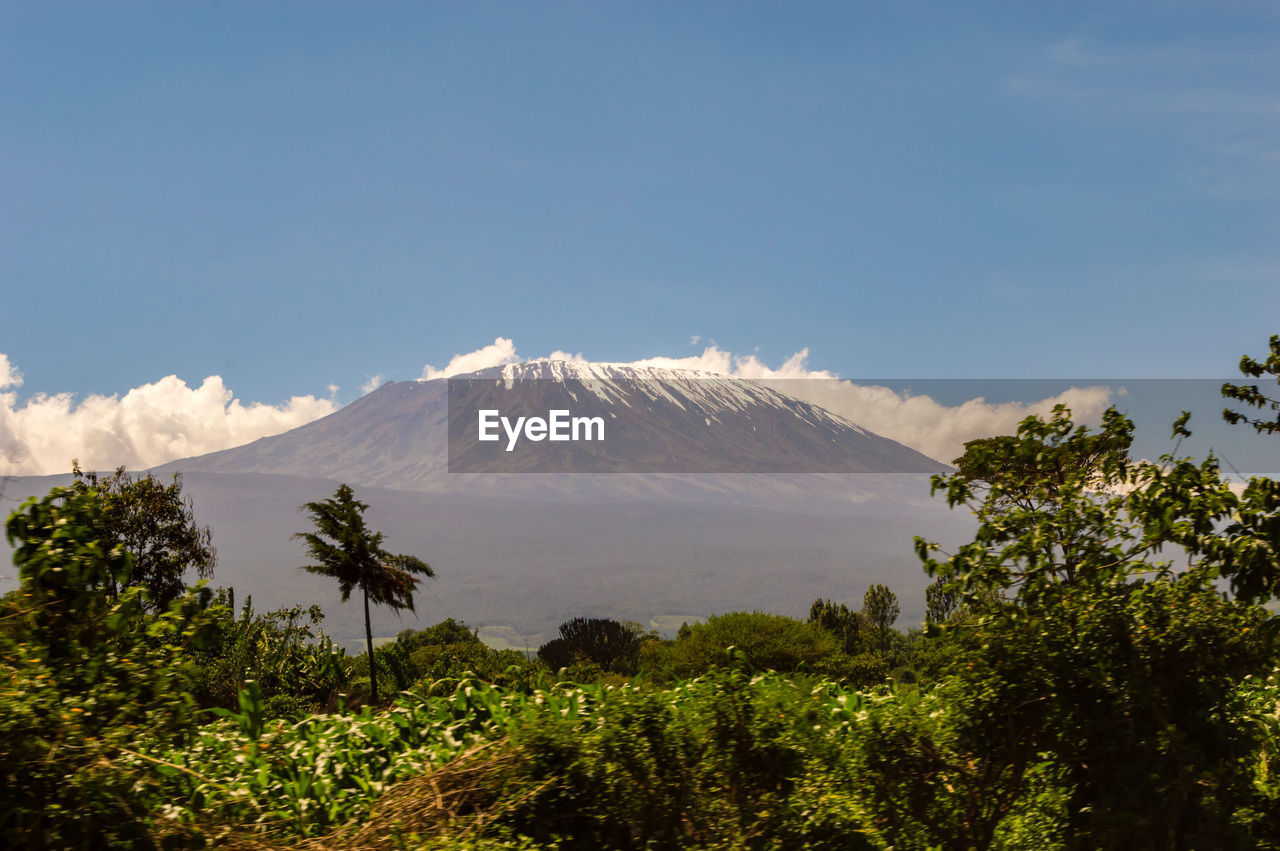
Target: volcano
[
  {"x": 682, "y": 533},
  {"x": 661, "y": 421}
]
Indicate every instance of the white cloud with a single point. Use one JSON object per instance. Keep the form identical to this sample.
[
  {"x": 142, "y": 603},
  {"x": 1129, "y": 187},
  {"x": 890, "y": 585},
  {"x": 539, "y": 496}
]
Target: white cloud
[
  {"x": 713, "y": 359},
  {"x": 9, "y": 375},
  {"x": 149, "y": 425},
  {"x": 372, "y": 384},
  {"x": 926, "y": 425},
  {"x": 499, "y": 353},
  {"x": 566, "y": 356}
]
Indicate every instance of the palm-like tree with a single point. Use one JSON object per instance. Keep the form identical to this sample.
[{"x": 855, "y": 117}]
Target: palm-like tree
[{"x": 348, "y": 551}]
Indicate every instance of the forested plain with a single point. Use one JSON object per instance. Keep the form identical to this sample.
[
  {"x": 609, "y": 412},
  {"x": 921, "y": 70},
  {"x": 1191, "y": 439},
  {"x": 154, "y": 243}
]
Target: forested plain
[{"x": 1098, "y": 669}]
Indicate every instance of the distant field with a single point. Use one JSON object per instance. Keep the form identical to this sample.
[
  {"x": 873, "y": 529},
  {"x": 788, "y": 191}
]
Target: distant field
[
  {"x": 668, "y": 625},
  {"x": 508, "y": 638}
]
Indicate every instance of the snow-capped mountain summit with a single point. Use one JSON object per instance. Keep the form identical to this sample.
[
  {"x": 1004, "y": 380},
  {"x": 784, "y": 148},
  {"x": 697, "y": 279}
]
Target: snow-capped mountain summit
[
  {"x": 627, "y": 385},
  {"x": 660, "y": 421},
  {"x": 568, "y": 370}
]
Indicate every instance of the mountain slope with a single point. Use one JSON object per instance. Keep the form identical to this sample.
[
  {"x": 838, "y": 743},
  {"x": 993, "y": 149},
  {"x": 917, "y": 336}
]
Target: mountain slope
[
  {"x": 521, "y": 566},
  {"x": 672, "y": 422}
]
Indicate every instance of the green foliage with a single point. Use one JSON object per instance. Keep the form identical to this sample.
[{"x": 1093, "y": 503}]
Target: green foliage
[
  {"x": 296, "y": 666},
  {"x": 310, "y": 776},
  {"x": 506, "y": 668},
  {"x": 731, "y": 760},
  {"x": 941, "y": 602},
  {"x": 446, "y": 633},
  {"x": 841, "y": 621},
  {"x": 770, "y": 642},
  {"x": 155, "y": 524},
  {"x": 611, "y": 645},
  {"x": 66, "y": 564},
  {"x": 447, "y": 650},
  {"x": 86, "y": 671},
  {"x": 1121, "y": 670},
  {"x": 352, "y": 554},
  {"x": 880, "y": 608},
  {"x": 1261, "y": 696},
  {"x": 1134, "y": 692},
  {"x": 1252, "y": 395},
  {"x": 927, "y": 782}
]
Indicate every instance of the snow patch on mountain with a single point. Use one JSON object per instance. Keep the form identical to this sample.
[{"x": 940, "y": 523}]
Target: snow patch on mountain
[{"x": 628, "y": 385}]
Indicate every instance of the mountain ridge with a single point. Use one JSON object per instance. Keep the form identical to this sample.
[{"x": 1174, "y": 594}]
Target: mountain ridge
[{"x": 397, "y": 435}]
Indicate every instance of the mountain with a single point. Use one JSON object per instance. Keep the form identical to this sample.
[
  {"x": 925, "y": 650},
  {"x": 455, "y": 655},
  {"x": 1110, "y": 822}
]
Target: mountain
[
  {"x": 681, "y": 427},
  {"x": 520, "y": 552}
]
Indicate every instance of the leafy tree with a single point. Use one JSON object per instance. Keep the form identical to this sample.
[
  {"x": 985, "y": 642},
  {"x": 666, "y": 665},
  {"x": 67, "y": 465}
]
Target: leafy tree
[
  {"x": 1013, "y": 473},
  {"x": 926, "y": 783},
  {"x": 433, "y": 663},
  {"x": 940, "y": 602},
  {"x": 451, "y": 650},
  {"x": 839, "y": 620},
  {"x": 612, "y": 645},
  {"x": 1252, "y": 395},
  {"x": 880, "y": 608},
  {"x": 346, "y": 550},
  {"x": 1122, "y": 669},
  {"x": 557, "y": 655},
  {"x": 155, "y": 524},
  {"x": 772, "y": 642},
  {"x": 448, "y": 631},
  {"x": 87, "y": 671}
]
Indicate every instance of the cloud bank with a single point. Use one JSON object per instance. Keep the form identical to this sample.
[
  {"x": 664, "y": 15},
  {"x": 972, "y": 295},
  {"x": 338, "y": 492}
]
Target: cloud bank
[
  {"x": 926, "y": 425},
  {"x": 167, "y": 419},
  {"x": 147, "y": 426},
  {"x": 502, "y": 351}
]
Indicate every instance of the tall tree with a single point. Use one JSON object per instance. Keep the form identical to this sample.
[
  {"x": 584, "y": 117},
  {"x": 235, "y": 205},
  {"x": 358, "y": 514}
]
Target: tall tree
[
  {"x": 346, "y": 550},
  {"x": 1120, "y": 664},
  {"x": 839, "y": 620},
  {"x": 880, "y": 608},
  {"x": 940, "y": 601},
  {"x": 156, "y": 525}
]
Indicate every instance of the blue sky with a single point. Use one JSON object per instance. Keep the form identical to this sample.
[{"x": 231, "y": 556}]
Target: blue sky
[{"x": 290, "y": 196}]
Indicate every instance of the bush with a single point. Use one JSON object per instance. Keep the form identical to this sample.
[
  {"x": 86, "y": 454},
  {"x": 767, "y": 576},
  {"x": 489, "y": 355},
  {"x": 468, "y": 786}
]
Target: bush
[
  {"x": 926, "y": 781},
  {"x": 447, "y": 632},
  {"x": 727, "y": 761},
  {"x": 770, "y": 642},
  {"x": 282, "y": 651},
  {"x": 88, "y": 674}
]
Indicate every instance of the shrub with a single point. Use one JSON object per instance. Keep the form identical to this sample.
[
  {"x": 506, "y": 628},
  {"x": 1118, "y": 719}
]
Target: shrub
[
  {"x": 727, "y": 761},
  {"x": 771, "y": 642},
  {"x": 88, "y": 673},
  {"x": 612, "y": 645},
  {"x": 282, "y": 651}
]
